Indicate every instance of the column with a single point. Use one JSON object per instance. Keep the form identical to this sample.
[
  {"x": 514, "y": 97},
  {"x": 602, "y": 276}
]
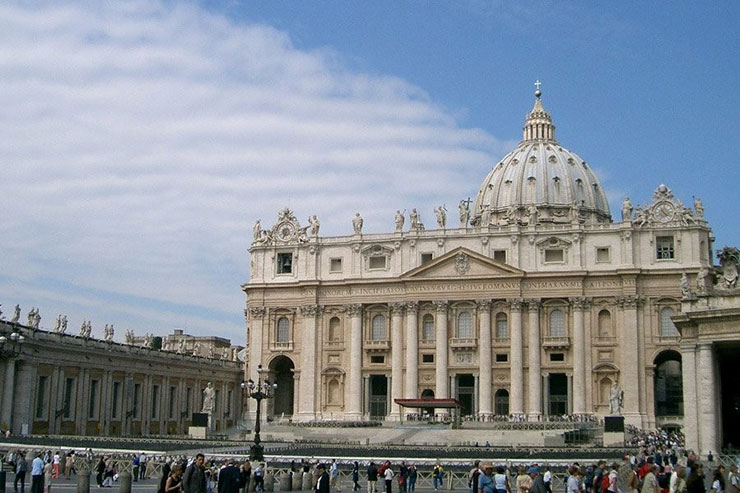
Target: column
[
  {"x": 546, "y": 394},
  {"x": 8, "y": 391},
  {"x": 629, "y": 376},
  {"x": 83, "y": 403},
  {"x": 516, "y": 397},
  {"x": 307, "y": 404},
  {"x": 25, "y": 392},
  {"x": 690, "y": 412},
  {"x": 256, "y": 331},
  {"x": 396, "y": 359},
  {"x": 579, "y": 357},
  {"x": 441, "y": 388},
  {"x": 484, "y": 358},
  {"x": 708, "y": 400},
  {"x": 354, "y": 399},
  {"x": 534, "y": 406},
  {"x": 106, "y": 401},
  {"x": 366, "y": 393},
  {"x": 412, "y": 350}
]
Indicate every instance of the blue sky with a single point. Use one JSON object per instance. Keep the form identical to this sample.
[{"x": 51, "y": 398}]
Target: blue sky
[{"x": 141, "y": 140}]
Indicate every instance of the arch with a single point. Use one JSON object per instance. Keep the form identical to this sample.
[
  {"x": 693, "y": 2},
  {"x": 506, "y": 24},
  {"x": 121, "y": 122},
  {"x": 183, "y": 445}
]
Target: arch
[
  {"x": 378, "y": 328},
  {"x": 281, "y": 370},
  {"x": 668, "y": 384},
  {"x": 502, "y": 326},
  {"x": 465, "y": 325},
  {"x": 605, "y": 323},
  {"x": 427, "y": 327},
  {"x": 282, "y": 333},
  {"x": 667, "y": 329},
  {"x": 501, "y": 402},
  {"x": 427, "y": 394},
  {"x": 335, "y": 329},
  {"x": 557, "y": 323}
]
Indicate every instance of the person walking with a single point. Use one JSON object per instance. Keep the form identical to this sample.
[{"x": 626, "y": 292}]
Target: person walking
[
  {"x": 501, "y": 480},
  {"x": 37, "y": 474},
  {"x": 372, "y": 477},
  {"x": 388, "y": 476},
  {"x": 485, "y": 479},
  {"x": 334, "y": 475},
  {"x": 99, "y": 470},
  {"x": 437, "y": 472},
  {"x": 355, "y": 476},
  {"x": 194, "y": 479},
  {"x": 21, "y": 466},
  {"x": 174, "y": 480},
  {"x": 135, "y": 463},
  {"x": 229, "y": 478},
  {"x": 48, "y": 475},
  {"x": 322, "y": 484}
]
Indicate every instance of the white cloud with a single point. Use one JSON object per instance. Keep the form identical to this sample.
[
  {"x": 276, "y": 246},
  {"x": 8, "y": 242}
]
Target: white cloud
[{"x": 140, "y": 140}]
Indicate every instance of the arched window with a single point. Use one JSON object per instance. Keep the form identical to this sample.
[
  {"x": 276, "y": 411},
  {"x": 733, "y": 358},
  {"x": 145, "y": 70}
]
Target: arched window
[
  {"x": 427, "y": 327},
  {"x": 378, "y": 332},
  {"x": 335, "y": 333},
  {"x": 667, "y": 329},
  {"x": 557, "y": 323},
  {"x": 502, "y": 326},
  {"x": 501, "y": 402},
  {"x": 465, "y": 325},
  {"x": 668, "y": 384},
  {"x": 605, "y": 323},
  {"x": 283, "y": 330}
]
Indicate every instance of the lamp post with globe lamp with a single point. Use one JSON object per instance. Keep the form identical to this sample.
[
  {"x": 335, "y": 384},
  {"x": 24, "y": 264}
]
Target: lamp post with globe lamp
[
  {"x": 258, "y": 391},
  {"x": 10, "y": 349}
]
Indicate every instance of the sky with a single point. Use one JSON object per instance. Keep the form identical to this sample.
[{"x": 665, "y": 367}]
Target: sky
[{"x": 140, "y": 140}]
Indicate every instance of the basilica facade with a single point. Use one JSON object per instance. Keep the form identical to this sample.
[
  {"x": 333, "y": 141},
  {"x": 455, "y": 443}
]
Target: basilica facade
[{"x": 534, "y": 301}]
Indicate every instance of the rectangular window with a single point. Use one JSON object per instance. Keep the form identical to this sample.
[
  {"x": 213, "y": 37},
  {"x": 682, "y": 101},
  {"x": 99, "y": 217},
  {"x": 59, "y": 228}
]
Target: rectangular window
[
  {"x": 376, "y": 262},
  {"x": 499, "y": 256},
  {"x": 116, "y": 400},
  {"x": 664, "y": 247},
  {"x": 92, "y": 411},
  {"x": 137, "y": 400},
  {"x": 602, "y": 254},
  {"x": 229, "y": 397},
  {"x": 377, "y": 359},
  {"x": 427, "y": 358},
  {"x": 171, "y": 405},
  {"x": 554, "y": 255},
  {"x": 155, "y": 401},
  {"x": 557, "y": 357},
  {"x": 335, "y": 265},
  {"x": 41, "y": 396},
  {"x": 284, "y": 263},
  {"x": 426, "y": 257},
  {"x": 502, "y": 358},
  {"x": 69, "y": 388}
]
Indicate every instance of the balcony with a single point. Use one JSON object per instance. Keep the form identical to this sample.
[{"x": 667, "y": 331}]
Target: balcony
[
  {"x": 334, "y": 345},
  {"x": 377, "y": 346},
  {"x": 556, "y": 342},
  {"x": 281, "y": 346},
  {"x": 463, "y": 343}
]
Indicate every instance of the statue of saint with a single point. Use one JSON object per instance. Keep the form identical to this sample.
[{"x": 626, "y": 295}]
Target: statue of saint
[
  {"x": 464, "y": 213},
  {"x": 313, "y": 221},
  {"x": 357, "y": 223},
  {"x": 627, "y": 210},
  {"x": 414, "y": 220},
  {"x": 399, "y": 220},
  {"x": 441, "y": 214},
  {"x": 701, "y": 280},
  {"x": 532, "y": 211},
  {"x": 257, "y": 231},
  {"x": 16, "y": 314},
  {"x": 685, "y": 286},
  {"x": 699, "y": 207},
  {"x": 209, "y": 405},
  {"x": 616, "y": 399}
]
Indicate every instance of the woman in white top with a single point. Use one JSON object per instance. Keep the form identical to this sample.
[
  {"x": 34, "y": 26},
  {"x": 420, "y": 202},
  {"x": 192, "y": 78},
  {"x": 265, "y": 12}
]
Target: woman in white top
[
  {"x": 718, "y": 481},
  {"x": 388, "y": 476},
  {"x": 501, "y": 481}
]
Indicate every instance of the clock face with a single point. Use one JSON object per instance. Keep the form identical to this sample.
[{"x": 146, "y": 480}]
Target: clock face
[
  {"x": 285, "y": 231},
  {"x": 664, "y": 212}
]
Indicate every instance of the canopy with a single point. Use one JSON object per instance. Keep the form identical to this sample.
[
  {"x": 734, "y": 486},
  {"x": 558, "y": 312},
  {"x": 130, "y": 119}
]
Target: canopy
[{"x": 429, "y": 403}]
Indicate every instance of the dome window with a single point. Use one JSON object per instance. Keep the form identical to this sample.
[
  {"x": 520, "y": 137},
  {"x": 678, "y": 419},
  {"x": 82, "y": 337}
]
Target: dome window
[
  {"x": 533, "y": 159},
  {"x": 553, "y": 159},
  {"x": 556, "y": 179},
  {"x": 571, "y": 161}
]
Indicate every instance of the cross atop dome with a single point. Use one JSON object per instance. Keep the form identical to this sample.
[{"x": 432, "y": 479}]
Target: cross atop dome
[
  {"x": 537, "y": 84},
  {"x": 538, "y": 125}
]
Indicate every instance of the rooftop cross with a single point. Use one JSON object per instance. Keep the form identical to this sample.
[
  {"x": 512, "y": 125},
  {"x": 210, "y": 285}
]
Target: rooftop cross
[{"x": 538, "y": 93}]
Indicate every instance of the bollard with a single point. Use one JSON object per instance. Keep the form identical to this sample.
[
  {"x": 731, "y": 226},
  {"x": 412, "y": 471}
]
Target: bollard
[
  {"x": 2, "y": 479},
  {"x": 83, "y": 482},
  {"x": 269, "y": 482},
  {"x": 297, "y": 481},
  {"x": 306, "y": 485},
  {"x": 285, "y": 481},
  {"x": 125, "y": 480}
]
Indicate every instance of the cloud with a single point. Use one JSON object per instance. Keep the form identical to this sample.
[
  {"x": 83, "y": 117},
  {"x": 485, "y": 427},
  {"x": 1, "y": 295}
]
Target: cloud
[{"x": 141, "y": 140}]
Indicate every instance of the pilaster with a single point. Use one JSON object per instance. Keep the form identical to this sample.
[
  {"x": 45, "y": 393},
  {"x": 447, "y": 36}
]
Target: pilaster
[
  {"x": 354, "y": 399},
  {"x": 516, "y": 397},
  {"x": 441, "y": 381},
  {"x": 483, "y": 381},
  {"x": 397, "y": 310},
  {"x": 307, "y": 405},
  {"x": 412, "y": 350},
  {"x": 534, "y": 407}
]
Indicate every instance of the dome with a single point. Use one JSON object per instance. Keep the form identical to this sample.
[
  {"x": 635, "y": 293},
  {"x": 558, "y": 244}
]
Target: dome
[{"x": 540, "y": 181}]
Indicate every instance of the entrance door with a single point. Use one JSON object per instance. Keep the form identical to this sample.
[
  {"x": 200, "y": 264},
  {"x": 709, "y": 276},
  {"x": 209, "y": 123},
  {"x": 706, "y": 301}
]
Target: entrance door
[
  {"x": 558, "y": 404},
  {"x": 729, "y": 383},
  {"x": 378, "y": 396},
  {"x": 282, "y": 401},
  {"x": 465, "y": 390}
]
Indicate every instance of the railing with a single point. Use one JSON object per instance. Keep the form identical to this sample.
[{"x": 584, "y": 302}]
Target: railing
[
  {"x": 459, "y": 342},
  {"x": 556, "y": 342},
  {"x": 376, "y": 345},
  {"x": 334, "y": 345},
  {"x": 281, "y": 346}
]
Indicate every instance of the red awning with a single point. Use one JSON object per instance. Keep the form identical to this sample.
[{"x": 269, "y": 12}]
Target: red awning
[{"x": 429, "y": 403}]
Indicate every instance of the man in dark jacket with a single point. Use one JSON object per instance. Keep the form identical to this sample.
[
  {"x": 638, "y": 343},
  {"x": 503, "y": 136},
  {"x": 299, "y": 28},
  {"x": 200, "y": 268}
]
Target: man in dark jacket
[
  {"x": 322, "y": 485},
  {"x": 194, "y": 479},
  {"x": 229, "y": 479},
  {"x": 538, "y": 483}
]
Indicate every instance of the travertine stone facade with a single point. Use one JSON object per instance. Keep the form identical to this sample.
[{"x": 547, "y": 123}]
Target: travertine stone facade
[{"x": 533, "y": 306}]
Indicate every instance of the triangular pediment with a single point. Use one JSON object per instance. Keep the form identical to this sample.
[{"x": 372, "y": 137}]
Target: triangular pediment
[{"x": 460, "y": 263}]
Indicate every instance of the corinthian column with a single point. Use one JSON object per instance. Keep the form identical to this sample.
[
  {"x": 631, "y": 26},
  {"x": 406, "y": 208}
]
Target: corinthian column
[
  {"x": 307, "y": 402},
  {"x": 579, "y": 356},
  {"x": 516, "y": 396},
  {"x": 441, "y": 386},
  {"x": 708, "y": 400},
  {"x": 629, "y": 376},
  {"x": 396, "y": 358},
  {"x": 354, "y": 399},
  {"x": 535, "y": 364},
  {"x": 256, "y": 332},
  {"x": 412, "y": 350},
  {"x": 484, "y": 357}
]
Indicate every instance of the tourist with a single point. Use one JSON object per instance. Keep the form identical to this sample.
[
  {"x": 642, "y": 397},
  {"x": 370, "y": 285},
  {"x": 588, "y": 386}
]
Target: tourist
[
  {"x": 538, "y": 484},
  {"x": 626, "y": 477},
  {"x": 599, "y": 473},
  {"x": 110, "y": 471},
  {"x": 322, "y": 484},
  {"x": 650, "y": 481},
  {"x": 695, "y": 481},
  {"x": 194, "y": 479},
  {"x": 388, "y": 476},
  {"x": 403, "y": 474},
  {"x": 229, "y": 478},
  {"x": 259, "y": 477},
  {"x": 100, "y": 470},
  {"x": 246, "y": 474},
  {"x": 142, "y": 466},
  {"x": 501, "y": 480},
  {"x": 166, "y": 469},
  {"x": 21, "y": 466},
  {"x": 135, "y": 463},
  {"x": 355, "y": 476},
  {"x": 718, "y": 480},
  {"x": 523, "y": 481},
  {"x": 437, "y": 473},
  {"x": 56, "y": 465},
  {"x": 37, "y": 474},
  {"x": 372, "y": 477},
  {"x": 485, "y": 479},
  {"x": 69, "y": 464},
  {"x": 48, "y": 475},
  {"x": 334, "y": 475},
  {"x": 174, "y": 480},
  {"x": 681, "y": 480},
  {"x": 733, "y": 480},
  {"x": 574, "y": 480},
  {"x": 412, "y": 478},
  {"x": 613, "y": 478},
  {"x": 473, "y": 477},
  {"x": 547, "y": 479}
]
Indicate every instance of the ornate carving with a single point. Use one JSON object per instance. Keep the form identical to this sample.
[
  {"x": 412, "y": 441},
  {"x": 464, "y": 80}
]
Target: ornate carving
[
  {"x": 554, "y": 242},
  {"x": 466, "y": 357},
  {"x": 412, "y": 306},
  {"x": 397, "y": 308},
  {"x": 630, "y": 301},
  {"x": 483, "y": 305},
  {"x": 533, "y": 304},
  {"x": 515, "y": 303},
  {"x": 462, "y": 263},
  {"x": 580, "y": 302},
  {"x": 729, "y": 257},
  {"x": 354, "y": 309},
  {"x": 256, "y": 312},
  {"x": 310, "y": 310},
  {"x": 514, "y": 239},
  {"x": 440, "y": 306}
]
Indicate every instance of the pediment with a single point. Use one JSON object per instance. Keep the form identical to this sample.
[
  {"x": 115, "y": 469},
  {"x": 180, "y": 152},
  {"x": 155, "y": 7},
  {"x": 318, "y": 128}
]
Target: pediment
[{"x": 460, "y": 263}]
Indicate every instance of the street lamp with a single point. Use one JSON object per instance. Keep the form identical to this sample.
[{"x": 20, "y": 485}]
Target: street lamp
[
  {"x": 258, "y": 391},
  {"x": 11, "y": 345}
]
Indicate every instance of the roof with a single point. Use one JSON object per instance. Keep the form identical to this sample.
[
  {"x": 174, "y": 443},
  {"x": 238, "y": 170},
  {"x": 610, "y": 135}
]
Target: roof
[{"x": 429, "y": 403}]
